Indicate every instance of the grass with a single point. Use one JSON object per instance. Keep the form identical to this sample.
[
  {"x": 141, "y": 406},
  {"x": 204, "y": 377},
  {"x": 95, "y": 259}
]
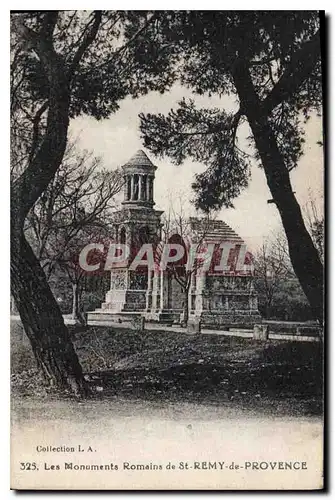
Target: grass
[{"x": 275, "y": 376}]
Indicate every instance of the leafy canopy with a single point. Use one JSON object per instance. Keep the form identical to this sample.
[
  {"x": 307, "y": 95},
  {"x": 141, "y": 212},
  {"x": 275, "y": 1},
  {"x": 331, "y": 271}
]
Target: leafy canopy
[
  {"x": 280, "y": 51},
  {"x": 104, "y": 55}
]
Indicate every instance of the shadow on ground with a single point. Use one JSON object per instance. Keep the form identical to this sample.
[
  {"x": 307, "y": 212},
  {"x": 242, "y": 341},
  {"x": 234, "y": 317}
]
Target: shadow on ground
[{"x": 276, "y": 377}]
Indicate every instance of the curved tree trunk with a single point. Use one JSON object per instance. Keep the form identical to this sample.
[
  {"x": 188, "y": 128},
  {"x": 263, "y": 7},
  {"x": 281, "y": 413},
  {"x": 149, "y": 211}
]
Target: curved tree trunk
[
  {"x": 304, "y": 256},
  {"x": 40, "y": 314},
  {"x": 43, "y": 321}
]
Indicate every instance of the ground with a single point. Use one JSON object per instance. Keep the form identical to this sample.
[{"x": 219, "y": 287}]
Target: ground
[
  {"x": 161, "y": 367},
  {"x": 161, "y": 397}
]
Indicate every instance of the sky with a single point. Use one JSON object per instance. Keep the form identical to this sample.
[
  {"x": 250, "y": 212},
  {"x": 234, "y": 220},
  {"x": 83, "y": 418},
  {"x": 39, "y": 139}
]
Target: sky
[{"x": 117, "y": 138}]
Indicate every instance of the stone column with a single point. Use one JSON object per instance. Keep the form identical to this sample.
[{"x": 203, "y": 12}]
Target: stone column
[
  {"x": 140, "y": 186},
  {"x": 149, "y": 290},
  {"x": 131, "y": 187},
  {"x": 136, "y": 194},
  {"x": 144, "y": 187},
  {"x": 191, "y": 302},
  {"x": 156, "y": 292},
  {"x": 253, "y": 302},
  {"x": 152, "y": 188},
  {"x": 199, "y": 300},
  {"x": 127, "y": 279},
  {"x": 163, "y": 296},
  {"x": 227, "y": 303},
  {"x": 148, "y": 187},
  {"x": 125, "y": 187}
]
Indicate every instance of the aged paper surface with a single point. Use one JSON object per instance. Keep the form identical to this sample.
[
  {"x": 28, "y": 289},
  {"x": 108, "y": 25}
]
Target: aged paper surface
[
  {"x": 169, "y": 448},
  {"x": 161, "y": 337}
]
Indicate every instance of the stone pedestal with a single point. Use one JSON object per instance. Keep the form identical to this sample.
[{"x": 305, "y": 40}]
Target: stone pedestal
[
  {"x": 194, "y": 326},
  {"x": 138, "y": 323},
  {"x": 261, "y": 332},
  {"x": 128, "y": 291}
]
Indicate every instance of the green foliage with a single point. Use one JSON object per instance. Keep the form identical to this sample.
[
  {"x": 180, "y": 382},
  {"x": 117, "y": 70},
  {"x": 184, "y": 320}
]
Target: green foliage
[
  {"x": 134, "y": 52},
  {"x": 104, "y": 56},
  {"x": 286, "y": 124},
  {"x": 271, "y": 47},
  {"x": 121, "y": 60},
  {"x": 206, "y": 136}
]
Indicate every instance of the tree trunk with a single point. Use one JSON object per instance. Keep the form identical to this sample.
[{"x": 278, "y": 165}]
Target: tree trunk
[
  {"x": 267, "y": 310},
  {"x": 303, "y": 254},
  {"x": 40, "y": 314},
  {"x": 185, "y": 308},
  {"x": 75, "y": 301},
  {"x": 76, "y": 312},
  {"x": 43, "y": 321}
]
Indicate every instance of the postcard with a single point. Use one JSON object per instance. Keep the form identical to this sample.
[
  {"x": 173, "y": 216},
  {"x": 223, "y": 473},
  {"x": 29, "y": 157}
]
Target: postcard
[{"x": 167, "y": 234}]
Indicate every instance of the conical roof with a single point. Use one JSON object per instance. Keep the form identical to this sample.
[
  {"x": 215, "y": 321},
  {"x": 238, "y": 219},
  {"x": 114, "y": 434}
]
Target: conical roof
[{"x": 139, "y": 159}]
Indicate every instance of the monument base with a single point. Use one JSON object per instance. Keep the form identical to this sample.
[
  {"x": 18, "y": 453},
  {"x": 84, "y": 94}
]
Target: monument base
[
  {"x": 124, "y": 300},
  {"x": 224, "y": 320}
]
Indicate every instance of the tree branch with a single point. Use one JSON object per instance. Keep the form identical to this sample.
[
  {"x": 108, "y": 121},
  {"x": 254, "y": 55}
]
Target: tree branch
[
  {"x": 43, "y": 166},
  {"x": 49, "y": 24},
  {"x": 299, "y": 68},
  {"x": 130, "y": 41},
  {"x": 88, "y": 39},
  {"x": 36, "y": 122}
]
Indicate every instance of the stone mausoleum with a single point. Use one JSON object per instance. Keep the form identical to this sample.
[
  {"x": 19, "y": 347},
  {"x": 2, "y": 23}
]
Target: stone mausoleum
[{"x": 215, "y": 300}]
